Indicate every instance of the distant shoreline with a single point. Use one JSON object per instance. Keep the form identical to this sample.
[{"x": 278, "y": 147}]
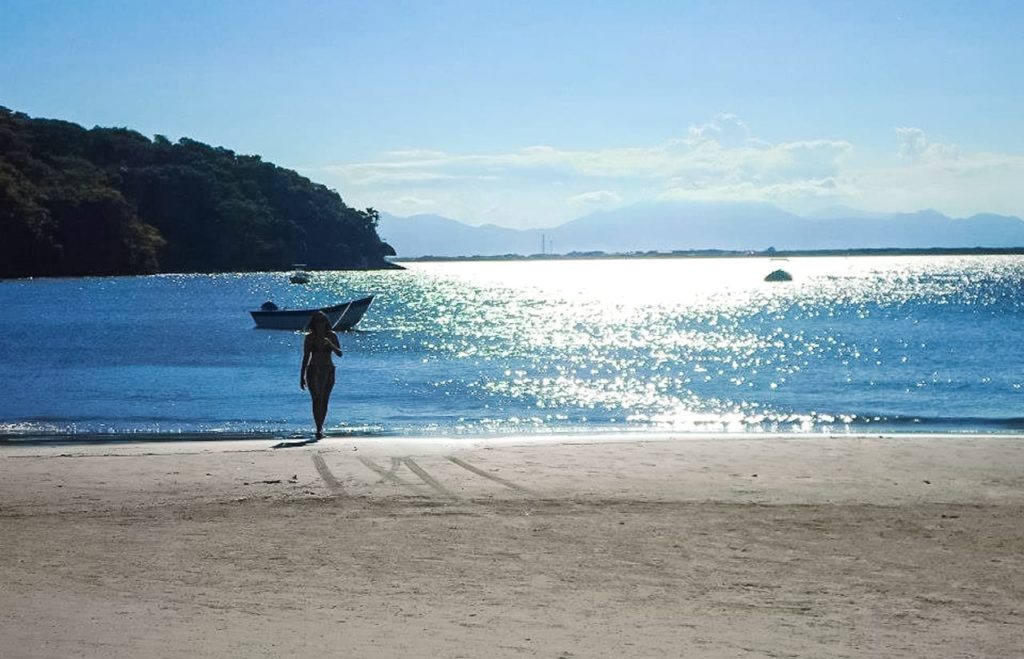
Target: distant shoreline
[{"x": 725, "y": 253}]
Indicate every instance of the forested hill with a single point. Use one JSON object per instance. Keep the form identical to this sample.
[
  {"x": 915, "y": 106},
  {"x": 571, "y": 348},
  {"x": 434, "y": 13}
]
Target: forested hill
[{"x": 110, "y": 201}]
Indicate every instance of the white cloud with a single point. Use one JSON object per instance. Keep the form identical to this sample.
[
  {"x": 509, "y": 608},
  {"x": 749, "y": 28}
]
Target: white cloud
[
  {"x": 707, "y": 158},
  {"x": 725, "y": 129},
  {"x": 781, "y": 193},
  {"x": 440, "y": 166},
  {"x": 720, "y": 160},
  {"x": 959, "y": 186},
  {"x": 385, "y": 172},
  {"x": 410, "y": 205},
  {"x": 914, "y": 143},
  {"x": 415, "y": 154},
  {"x": 540, "y": 151},
  {"x": 596, "y": 198}
]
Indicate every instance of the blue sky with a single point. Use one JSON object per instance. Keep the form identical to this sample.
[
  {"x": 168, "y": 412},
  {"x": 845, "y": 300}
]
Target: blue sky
[{"x": 532, "y": 113}]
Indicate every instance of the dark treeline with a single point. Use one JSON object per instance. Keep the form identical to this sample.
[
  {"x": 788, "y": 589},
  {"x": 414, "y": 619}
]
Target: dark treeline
[{"x": 110, "y": 201}]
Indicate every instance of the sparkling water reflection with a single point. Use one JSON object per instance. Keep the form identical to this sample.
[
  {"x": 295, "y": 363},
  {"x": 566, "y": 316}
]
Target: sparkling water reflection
[{"x": 901, "y": 343}]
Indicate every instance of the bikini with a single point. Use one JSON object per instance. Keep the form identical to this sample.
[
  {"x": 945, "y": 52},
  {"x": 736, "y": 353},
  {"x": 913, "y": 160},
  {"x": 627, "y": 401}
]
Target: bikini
[{"x": 320, "y": 375}]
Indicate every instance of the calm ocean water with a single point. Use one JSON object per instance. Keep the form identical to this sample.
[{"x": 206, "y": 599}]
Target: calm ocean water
[{"x": 859, "y": 344}]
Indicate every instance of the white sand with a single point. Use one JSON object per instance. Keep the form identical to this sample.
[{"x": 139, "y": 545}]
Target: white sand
[{"x": 909, "y": 546}]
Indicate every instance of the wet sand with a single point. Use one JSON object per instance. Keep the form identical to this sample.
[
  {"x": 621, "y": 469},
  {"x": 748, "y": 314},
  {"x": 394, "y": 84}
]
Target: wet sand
[{"x": 909, "y": 546}]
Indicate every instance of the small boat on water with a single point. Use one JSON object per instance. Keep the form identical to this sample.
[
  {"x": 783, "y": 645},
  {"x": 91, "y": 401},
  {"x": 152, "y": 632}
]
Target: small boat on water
[
  {"x": 299, "y": 275},
  {"x": 779, "y": 275},
  {"x": 343, "y": 316}
]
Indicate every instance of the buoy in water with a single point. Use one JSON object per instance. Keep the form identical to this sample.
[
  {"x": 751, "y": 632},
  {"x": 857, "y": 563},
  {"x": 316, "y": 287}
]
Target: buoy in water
[{"x": 779, "y": 275}]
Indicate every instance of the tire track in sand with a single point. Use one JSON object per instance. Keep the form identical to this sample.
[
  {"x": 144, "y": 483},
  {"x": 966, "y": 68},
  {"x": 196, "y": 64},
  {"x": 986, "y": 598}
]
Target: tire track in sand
[
  {"x": 497, "y": 479},
  {"x": 389, "y": 475},
  {"x": 427, "y": 478},
  {"x": 333, "y": 484}
]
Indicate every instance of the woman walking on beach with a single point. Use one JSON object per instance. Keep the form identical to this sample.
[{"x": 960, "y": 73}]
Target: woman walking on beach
[{"x": 317, "y": 367}]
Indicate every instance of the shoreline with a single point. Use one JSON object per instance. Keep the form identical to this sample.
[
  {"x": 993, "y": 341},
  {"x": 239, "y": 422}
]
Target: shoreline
[
  {"x": 256, "y": 441},
  {"x": 602, "y": 546},
  {"x": 726, "y": 254}
]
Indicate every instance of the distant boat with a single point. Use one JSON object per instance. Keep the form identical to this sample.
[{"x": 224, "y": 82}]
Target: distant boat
[
  {"x": 299, "y": 276},
  {"x": 778, "y": 275},
  {"x": 343, "y": 316}
]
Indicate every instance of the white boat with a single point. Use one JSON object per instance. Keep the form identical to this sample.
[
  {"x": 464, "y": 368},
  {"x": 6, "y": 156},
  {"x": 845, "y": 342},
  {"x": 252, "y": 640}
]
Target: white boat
[
  {"x": 343, "y": 316},
  {"x": 299, "y": 275}
]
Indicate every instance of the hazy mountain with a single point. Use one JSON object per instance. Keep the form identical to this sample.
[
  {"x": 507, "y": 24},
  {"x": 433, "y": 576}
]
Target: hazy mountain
[
  {"x": 433, "y": 235},
  {"x": 843, "y": 212},
  {"x": 922, "y": 229},
  {"x": 703, "y": 225},
  {"x": 668, "y": 226}
]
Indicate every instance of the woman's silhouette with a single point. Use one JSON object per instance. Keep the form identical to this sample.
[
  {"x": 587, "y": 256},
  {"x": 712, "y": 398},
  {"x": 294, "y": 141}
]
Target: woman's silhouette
[{"x": 317, "y": 367}]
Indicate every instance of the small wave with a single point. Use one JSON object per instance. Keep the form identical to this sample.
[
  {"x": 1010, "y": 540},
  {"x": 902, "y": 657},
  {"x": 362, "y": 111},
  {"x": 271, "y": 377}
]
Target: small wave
[
  {"x": 37, "y": 433},
  {"x": 899, "y": 423},
  {"x": 20, "y": 434}
]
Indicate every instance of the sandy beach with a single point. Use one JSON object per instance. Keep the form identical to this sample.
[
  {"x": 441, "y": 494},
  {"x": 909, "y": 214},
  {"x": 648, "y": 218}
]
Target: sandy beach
[{"x": 699, "y": 546}]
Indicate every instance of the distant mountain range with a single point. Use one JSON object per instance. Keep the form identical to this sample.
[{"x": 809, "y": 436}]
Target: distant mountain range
[{"x": 702, "y": 225}]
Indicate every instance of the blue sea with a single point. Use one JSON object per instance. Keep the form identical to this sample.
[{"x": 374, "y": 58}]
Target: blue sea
[{"x": 851, "y": 345}]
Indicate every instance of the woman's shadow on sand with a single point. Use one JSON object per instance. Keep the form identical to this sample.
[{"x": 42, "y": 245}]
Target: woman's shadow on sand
[{"x": 295, "y": 443}]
